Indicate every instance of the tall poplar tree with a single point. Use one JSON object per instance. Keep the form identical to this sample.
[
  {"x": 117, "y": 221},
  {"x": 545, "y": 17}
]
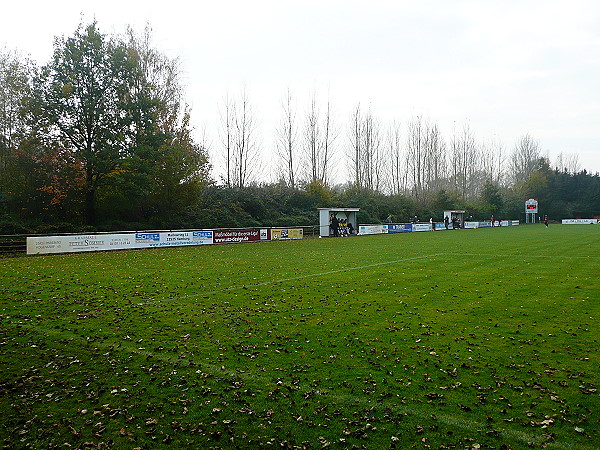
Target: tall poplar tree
[{"x": 169, "y": 168}]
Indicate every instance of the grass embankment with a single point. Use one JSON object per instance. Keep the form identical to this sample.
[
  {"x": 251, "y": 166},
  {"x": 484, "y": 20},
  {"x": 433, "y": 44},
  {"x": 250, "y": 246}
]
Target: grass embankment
[{"x": 474, "y": 338}]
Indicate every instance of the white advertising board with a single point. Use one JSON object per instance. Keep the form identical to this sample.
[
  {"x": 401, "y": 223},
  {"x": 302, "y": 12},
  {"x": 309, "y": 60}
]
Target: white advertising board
[
  {"x": 121, "y": 241},
  {"x": 422, "y": 227},
  {"x": 176, "y": 238},
  {"x": 580, "y": 221},
  {"x": 371, "y": 229},
  {"x": 488, "y": 224},
  {"x": 79, "y": 243}
]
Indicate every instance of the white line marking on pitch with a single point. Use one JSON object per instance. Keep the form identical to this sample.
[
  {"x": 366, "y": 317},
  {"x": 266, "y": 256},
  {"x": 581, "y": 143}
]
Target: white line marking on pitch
[{"x": 300, "y": 277}]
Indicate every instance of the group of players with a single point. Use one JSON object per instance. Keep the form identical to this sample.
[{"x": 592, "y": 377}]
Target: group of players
[{"x": 341, "y": 227}]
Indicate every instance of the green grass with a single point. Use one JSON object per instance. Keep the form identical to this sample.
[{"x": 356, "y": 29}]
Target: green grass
[{"x": 466, "y": 339}]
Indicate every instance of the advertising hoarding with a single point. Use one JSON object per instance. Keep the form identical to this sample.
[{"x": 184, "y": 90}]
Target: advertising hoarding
[
  {"x": 175, "y": 238},
  {"x": 235, "y": 236},
  {"x": 286, "y": 233},
  {"x": 121, "y": 241},
  {"x": 580, "y": 221},
  {"x": 422, "y": 227},
  {"x": 483, "y": 224},
  {"x": 399, "y": 227},
  {"x": 372, "y": 229},
  {"x": 79, "y": 243}
]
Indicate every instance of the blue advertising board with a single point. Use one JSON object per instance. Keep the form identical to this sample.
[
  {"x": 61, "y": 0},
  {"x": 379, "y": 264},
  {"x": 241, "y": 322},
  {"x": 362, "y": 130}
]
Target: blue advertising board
[{"x": 399, "y": 227}]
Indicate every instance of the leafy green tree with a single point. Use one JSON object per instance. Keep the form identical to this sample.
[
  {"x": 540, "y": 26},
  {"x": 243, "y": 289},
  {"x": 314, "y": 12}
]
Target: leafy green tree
[
  {"x": 84, "y": 99},
  {"x": 491, "y": 201},
  {"x": 15, "y": 88},
  {"x": 169, "y": 168},
  {"x": 323, "y": 196},
  {"x": 37, "y": 175},
  {"x": 443, "y": 201},
  {"x": 375, "y": 207},
  {"x": 568, "y": 195}
]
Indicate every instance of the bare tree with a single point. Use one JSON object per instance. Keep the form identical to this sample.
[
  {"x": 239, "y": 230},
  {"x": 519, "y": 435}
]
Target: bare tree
[
  {"x": 397, "y": 181},
  {"x": 319, "y": 137},
  {"x": 568, "y": 163},
  {"x": 329, "y": 137},
  {"x": 372, "y": 161},
  {"x": 245, "y": 147},
  {"x": 227, "y": 115},
  {"x": 238, "y": 132},
  {"x": 355, "y": 137},
  {"x": 525, "y": 158},
  {"x": 286, "y": 134},
  {"x": 415, "y": 155},
  {"x": 464, "y": 161},
  {"x": 425, "y": 157},
  {"x": 493, "y": 162},
  {"x": 366, "y": 150},
  {"x": 312, "y": 143},
  {"x": 435, "y": 158}
]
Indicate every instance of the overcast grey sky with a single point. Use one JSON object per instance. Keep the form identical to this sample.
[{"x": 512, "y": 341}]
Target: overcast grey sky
[{"x": 504, "y": 67}]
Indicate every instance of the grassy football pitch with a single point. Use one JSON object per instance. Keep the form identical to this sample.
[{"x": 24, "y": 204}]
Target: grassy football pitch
[{"x": 453, "y": 339}]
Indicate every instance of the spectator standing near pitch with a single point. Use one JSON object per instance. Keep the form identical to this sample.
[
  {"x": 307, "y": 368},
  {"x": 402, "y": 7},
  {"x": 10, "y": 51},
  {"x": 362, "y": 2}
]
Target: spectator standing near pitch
[
  {"x": 546, "y": 221},
  {"x": 493, "y": 221},
  {"x": 334, "y": 225},
  {"x": 446, "y": 222}
]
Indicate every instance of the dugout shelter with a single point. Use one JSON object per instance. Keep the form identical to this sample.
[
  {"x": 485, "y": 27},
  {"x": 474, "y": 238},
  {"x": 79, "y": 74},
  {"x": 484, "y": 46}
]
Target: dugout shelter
[
  {"x": 346, "y": 214},
  {"x": 451, "y": 214}
]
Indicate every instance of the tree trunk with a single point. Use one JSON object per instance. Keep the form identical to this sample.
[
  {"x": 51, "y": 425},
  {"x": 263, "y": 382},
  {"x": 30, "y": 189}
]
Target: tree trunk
[{"x": 90, "y": 206}]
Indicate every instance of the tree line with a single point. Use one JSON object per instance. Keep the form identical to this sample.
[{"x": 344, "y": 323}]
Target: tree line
[{"x": 100, "y": 138}]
